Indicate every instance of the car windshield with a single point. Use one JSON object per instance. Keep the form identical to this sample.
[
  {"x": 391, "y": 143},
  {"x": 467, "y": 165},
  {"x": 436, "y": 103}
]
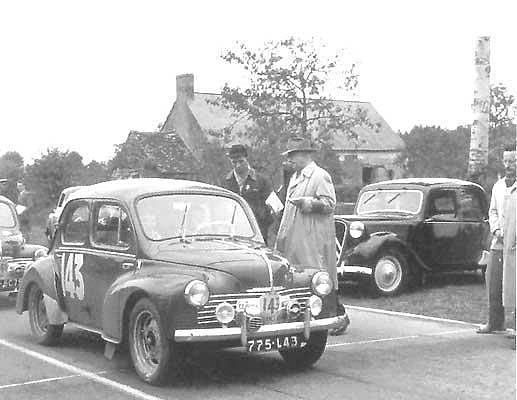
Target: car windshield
[
  {"x": 175, "y": 216},
  {"x": 399, "y": 201},
  {"x": 6, "y": 216}
]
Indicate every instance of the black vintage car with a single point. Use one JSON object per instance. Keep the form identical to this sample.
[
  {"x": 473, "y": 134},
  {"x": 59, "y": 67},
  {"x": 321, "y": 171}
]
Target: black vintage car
[
  {"x": 403, "y": 229},
  {"x": 166, "y": 266}
]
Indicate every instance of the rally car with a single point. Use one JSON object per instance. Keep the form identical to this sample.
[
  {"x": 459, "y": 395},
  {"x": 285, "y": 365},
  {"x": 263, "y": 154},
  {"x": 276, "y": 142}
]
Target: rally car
[
  {"x": 403, "y": 229},
  {"x": 164, "y": 265},
  {"x": 15, "y": 254}
]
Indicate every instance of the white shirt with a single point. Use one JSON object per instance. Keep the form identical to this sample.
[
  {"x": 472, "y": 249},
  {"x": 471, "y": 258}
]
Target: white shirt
[{"x": 500, "y": 194}]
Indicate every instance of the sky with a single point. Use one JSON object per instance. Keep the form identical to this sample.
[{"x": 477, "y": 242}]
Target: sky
[{"x": 79, "y": 75}]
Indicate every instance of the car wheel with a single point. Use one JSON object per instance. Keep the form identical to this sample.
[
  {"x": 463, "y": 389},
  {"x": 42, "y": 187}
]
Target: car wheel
[
  {"x": 390, "y": 275},
  {"x": 308, "y": 355},
  {"x": 44, "y": 332},
  {"x": 149, "y": 346}
]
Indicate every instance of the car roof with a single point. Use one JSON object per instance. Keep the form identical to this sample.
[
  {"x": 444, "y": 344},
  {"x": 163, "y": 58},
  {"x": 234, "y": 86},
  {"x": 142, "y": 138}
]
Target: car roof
[
  {"x": 130, "y": 189},
  {"x": 421, "y": 182},
  {"x": 71, "y": 189}
]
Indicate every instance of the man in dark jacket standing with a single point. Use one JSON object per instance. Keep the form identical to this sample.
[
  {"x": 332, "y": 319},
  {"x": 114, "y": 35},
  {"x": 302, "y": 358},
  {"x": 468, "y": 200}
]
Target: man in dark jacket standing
[{"x": 252, "y": 186}]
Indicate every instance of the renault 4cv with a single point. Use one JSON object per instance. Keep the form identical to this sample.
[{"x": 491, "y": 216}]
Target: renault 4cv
[{"x": 167, "y": 265}]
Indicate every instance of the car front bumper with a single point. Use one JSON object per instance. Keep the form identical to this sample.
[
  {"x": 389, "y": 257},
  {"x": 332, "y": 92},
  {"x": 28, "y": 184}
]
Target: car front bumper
[
  {"x": 306, "y": 326},
  {"x": 345, "y": 270}
]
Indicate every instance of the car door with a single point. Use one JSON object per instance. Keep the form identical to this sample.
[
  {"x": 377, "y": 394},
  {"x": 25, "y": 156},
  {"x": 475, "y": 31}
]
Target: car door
[
  {"x": 112, "y": 254},
  {"x": 437, "y": 238},
  {"x": 473, "y": 220},
  {"x": 70, "y": 256}
]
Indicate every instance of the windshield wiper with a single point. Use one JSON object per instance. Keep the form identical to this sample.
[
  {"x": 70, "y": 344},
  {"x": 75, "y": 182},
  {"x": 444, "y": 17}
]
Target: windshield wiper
[
  {"x": 369, "y": 198},
  {"x": 184, "y": 225},
  {"x": 393, "y": 198},
  {"x": 232, "y": 224}
]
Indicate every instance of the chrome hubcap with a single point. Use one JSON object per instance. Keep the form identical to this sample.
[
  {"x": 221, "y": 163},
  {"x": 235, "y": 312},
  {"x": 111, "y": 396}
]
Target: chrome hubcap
[
  {"x": 388, "y": 273},
  {"x": 147, "y": 343}
]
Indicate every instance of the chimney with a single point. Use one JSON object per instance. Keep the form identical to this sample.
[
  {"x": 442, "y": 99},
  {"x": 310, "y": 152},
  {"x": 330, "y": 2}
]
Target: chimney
[{"x": 184, "y": 87}]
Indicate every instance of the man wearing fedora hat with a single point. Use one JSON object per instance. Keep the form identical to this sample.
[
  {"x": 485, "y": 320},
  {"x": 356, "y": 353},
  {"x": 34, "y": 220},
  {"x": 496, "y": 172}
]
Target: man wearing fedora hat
[
  {"x": 255, "y": 188},
  {"x": 307, "y": 234}
]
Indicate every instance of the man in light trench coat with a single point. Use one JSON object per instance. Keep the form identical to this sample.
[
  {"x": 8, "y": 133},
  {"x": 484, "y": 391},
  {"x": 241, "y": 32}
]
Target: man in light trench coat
[{"x": 306, "y": 235}]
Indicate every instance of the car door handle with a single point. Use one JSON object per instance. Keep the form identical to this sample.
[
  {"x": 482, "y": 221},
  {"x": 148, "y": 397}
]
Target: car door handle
[{"x": 127, "y": 265}]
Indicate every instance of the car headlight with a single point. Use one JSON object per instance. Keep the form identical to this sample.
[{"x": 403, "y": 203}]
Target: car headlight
[
  {"x": 315, "y": 305},
  {"x": 356, "y": 229},
  {"x": 197, "y": 293},
  {"x": 322, "y": 284},
  {"x": 39, "y": 254},
  {"x": 225, "y": 313}
]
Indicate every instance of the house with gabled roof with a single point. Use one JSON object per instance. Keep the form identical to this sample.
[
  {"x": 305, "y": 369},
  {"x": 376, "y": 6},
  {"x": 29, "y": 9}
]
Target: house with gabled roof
[
  {"x": 374, "y": 155},
  {"x": 196, "y": 119}
]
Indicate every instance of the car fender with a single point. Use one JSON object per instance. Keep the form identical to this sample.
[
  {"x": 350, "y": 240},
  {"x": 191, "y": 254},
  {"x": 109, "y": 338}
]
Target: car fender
[
  {"x": 165, "y": 291},
  {"x": 369, "y": 249},
  {"x": 43, "y": 274}
]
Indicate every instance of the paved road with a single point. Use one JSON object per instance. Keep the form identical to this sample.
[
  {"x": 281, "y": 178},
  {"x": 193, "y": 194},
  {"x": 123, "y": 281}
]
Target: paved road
[{"x": 381, "y": 357}]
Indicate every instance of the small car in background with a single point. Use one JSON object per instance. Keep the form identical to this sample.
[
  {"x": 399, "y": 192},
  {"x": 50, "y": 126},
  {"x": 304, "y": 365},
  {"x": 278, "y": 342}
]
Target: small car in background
[
  {"x": 403, "y": 229},
  {"x": 15, "y": 254},
  {"x": 166, "y": 266},
  {"x": 54, "y": 215}
]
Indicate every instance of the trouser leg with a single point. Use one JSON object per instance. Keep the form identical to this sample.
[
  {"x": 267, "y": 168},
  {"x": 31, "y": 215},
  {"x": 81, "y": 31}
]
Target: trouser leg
[{"x": 494, "y": 286}]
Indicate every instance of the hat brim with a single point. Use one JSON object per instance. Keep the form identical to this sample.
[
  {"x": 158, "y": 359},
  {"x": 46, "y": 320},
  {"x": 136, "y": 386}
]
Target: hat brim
[{"x": 286, "y": 153}]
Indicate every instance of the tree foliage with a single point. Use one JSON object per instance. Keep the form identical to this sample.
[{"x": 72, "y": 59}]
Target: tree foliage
[
  {"x": 47, "y": 176},
  {"x": 288, "y": 83},
  {"x": 156, "y": 154},
  {"x": 11, "y": 166},
  {"x": 502, "y": 106}
]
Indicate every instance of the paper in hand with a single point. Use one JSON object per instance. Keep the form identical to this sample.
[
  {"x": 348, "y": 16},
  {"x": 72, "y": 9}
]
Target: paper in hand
[{"x": 274, "y": 202}]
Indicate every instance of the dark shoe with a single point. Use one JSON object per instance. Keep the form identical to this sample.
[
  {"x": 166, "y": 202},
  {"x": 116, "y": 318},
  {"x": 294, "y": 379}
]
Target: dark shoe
[{"x": 341, "y": 329}]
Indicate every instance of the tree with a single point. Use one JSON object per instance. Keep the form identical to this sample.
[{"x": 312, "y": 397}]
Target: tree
[
  {"x": 92, "y": 173},
  {"x": 11, "y": 168},
  {"x": 435, "y": 152},
  {"x": 501, "y": 106},
  {"x": 479, "y": 139},
  {"x": 288, "y": 83},
  {"x": 51, "y": 173},
  {"x": 155, "y": 154}
]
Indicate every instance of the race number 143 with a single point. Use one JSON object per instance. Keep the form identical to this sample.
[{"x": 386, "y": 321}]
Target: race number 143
[{"x": 71, "y": 277}]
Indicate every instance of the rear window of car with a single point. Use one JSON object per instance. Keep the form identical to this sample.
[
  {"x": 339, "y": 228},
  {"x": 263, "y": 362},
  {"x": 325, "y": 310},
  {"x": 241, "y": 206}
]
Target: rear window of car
[{"x": 6, "y": 216}]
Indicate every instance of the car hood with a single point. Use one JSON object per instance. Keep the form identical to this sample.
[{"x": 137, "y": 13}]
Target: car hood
[{"x": 249, "y": 265}]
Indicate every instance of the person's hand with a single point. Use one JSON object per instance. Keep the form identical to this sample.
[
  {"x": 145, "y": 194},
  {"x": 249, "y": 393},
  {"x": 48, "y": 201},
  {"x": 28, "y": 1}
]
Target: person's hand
[
  {"x": 498, "y": 234},
  {"x": 303, "y": 203}
]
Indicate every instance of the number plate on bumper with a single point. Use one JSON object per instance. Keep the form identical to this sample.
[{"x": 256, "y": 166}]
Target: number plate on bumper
[{"x": 275, "y": 343}]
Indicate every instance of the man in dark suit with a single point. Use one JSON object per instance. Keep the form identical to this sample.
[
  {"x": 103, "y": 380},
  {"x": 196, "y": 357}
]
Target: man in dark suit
[{"x": 252, "y": 186}]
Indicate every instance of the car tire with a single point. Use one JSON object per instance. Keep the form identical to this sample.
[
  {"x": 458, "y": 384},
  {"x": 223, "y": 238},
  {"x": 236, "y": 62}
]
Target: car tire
[
  {"x": 390, "y": 275},
  {"x": 307, "y": 356},
  {"x": 45, "y": 333},
  {"x": 150, "y": 349}
]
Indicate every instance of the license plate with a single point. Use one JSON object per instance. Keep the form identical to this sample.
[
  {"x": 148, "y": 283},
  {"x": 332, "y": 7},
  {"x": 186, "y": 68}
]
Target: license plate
[
  {"x": 275, "y": 343},
  {"x": 8, "y": 284}
]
